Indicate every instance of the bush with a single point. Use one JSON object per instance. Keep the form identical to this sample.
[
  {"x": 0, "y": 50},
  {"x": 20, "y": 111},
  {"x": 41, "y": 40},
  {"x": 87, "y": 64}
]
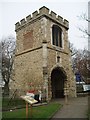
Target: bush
[{"x": 79, "y": 88}]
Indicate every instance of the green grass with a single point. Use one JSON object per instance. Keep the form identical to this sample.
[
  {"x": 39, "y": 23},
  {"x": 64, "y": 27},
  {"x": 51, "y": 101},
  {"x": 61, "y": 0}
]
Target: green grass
[
  {"x": 45, "y": 111},
  {"x": 9, "y": 104}
]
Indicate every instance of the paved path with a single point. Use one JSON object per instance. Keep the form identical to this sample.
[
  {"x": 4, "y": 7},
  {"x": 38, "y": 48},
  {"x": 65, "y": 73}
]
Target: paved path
[{"x": 76, "y": 108}]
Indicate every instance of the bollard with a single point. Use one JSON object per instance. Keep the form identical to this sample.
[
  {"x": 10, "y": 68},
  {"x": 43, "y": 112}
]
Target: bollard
[{"x": 66, "y": 95}]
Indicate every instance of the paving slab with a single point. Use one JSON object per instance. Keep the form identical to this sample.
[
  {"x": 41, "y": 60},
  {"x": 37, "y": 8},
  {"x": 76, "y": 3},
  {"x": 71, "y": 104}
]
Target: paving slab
[{"x": 75, "y": 108}]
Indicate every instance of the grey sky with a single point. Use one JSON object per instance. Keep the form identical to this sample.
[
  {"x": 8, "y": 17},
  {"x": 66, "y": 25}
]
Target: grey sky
[{"x": 12, "y": 11}]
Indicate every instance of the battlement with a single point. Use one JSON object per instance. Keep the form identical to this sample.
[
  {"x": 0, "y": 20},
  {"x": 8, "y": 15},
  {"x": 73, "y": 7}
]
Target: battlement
[{"x": 43, "y": 11}]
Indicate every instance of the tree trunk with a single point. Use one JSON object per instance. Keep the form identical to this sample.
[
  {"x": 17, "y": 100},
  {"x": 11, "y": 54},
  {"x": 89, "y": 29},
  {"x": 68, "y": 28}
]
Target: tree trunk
[{"x": 6, "y": 89}]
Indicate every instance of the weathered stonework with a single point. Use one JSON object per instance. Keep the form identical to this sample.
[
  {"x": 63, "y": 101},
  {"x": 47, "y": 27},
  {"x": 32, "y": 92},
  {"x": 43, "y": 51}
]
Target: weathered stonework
[{"x": 36, "y": 56}]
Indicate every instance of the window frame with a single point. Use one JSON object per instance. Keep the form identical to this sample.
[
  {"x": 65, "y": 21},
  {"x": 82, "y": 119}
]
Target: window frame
[{"x": 57, "y": 36}]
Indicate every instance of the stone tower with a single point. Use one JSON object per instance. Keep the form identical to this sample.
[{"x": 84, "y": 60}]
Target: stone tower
[{"x": 42, "y": 60}]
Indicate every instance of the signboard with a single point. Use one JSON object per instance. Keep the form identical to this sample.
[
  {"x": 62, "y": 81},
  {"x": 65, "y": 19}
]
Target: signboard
[
  {"x": 29, "y": 99},
  {"x": 30, "y": 94},
  {"x": 86, "y": 87}
]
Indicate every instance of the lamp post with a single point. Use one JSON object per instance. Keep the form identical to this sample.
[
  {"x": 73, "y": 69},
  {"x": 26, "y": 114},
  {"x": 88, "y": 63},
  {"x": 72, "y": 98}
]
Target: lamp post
[
  {"x": 89, "y": 26},
  {"x": 88, "y": 65},
  {"x": 88, "y": 57},
  {"x": 1, "y": 78}
]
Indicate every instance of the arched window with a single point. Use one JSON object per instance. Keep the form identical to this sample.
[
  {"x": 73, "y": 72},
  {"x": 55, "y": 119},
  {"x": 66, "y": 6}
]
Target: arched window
[{"x": 57, "y": 36}]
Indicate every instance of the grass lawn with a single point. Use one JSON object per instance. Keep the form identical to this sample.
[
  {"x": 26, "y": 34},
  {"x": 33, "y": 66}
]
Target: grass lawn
[
  {"x": 45, "y": 111},
  {"x": 7, "y": 103}
]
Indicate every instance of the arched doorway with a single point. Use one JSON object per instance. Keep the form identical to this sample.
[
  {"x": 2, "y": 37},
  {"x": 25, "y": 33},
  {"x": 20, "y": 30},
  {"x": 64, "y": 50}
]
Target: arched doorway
[{"x": 58, "y": 77}]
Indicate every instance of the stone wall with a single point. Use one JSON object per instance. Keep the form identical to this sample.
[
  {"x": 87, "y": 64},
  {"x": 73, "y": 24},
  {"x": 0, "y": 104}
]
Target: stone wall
[
  {"x": 43, "y": 11},
  {"x": 28, "y": 70}
]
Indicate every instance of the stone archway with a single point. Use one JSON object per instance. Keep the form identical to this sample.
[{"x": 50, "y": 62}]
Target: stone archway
[{"x": 58, "y": 77}]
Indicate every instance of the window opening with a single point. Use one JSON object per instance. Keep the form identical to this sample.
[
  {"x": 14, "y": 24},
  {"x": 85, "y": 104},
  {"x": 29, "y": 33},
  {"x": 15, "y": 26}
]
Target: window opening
[{"x": 57, "y": 36}]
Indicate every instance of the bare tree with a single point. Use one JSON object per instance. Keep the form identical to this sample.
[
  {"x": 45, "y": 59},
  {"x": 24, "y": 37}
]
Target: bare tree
[
  {"x": 84, "y": 29},
  {"x": 80, "y": 64},
  {"x": 73, "y": 49},
  {"x": 8, "y": 51},
  {"x": 86, "y": 33}
]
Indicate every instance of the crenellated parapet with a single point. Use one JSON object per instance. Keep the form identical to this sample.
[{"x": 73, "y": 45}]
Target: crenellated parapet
[{"x": 43, "y": 11}]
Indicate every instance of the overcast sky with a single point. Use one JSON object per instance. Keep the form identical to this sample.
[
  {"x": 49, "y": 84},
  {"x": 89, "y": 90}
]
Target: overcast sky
[{"x": 12, "y": 11}]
